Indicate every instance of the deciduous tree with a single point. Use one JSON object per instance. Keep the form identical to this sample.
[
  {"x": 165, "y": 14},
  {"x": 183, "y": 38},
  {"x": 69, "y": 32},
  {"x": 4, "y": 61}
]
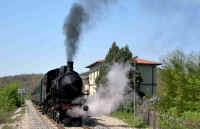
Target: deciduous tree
[{"x": 179, "y": 82}]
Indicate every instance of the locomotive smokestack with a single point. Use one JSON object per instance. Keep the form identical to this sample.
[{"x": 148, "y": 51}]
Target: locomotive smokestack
[{"x": 70, "y": 66}]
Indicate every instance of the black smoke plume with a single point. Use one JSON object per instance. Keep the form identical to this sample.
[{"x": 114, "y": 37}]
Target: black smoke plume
[
  {"x": 73, "y": 29},
  {"x": 80, "y": 14}
]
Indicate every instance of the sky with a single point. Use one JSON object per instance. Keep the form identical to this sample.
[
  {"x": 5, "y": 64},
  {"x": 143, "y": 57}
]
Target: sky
[{"x": 32, "y": 39}]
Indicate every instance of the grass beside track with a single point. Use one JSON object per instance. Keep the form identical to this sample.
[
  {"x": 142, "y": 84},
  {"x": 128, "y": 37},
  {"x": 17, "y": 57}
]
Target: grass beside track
[
  {"x": 6, "y": 117},
  {"x": 128, "y": 118},
  {"x": 7, "y": 127}
]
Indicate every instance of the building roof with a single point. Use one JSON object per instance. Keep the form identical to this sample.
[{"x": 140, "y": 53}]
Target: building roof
[
  {"x": 93, "y": 64},
  {"x": 138, "y": 60},
  {"x": 143, "y": 61}
]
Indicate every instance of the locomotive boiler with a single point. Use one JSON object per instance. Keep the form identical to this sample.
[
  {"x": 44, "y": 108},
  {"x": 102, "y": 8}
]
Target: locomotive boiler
[{"x": 61, "y": 92}]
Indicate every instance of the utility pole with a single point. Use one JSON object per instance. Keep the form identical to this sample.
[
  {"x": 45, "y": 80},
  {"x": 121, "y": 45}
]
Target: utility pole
[
  {"x": 134, "y": 90},
  {"x": 134, "y": 96}
]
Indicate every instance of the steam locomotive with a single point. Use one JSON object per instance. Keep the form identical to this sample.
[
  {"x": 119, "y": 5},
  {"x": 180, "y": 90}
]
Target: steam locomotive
[{"x": 61, "y": 92}]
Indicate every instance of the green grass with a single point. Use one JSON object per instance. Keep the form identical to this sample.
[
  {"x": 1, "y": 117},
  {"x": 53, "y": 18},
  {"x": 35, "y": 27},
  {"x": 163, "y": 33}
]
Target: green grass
[
  {"x": 5, "y": 116},
  {"x": 21, "y": 112},
  {"x": 7, "y": 127},
  {"x": 128, "y": 118}
]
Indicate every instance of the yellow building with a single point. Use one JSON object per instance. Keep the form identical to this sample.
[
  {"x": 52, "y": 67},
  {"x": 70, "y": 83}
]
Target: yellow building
[
  {"x": 93, "y": 73},
  {"x": 85, "y": 79}
]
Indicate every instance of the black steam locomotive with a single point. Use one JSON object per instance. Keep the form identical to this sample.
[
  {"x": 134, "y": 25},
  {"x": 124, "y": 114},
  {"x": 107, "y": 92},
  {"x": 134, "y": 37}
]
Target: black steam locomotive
[{"x": 61, "y": 92}]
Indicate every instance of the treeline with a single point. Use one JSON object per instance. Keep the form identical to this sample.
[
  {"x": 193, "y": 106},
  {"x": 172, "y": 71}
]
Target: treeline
[
  {"x": 179, "y": 89},
  {"x": 27, "y": 81}
]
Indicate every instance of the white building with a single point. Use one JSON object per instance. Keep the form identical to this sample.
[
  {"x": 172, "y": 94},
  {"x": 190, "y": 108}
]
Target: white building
[{"x": 147, "y": 69}]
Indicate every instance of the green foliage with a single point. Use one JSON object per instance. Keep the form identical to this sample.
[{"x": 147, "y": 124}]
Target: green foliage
[
  {"x": 35, "y": 95},
  {"x": 194, "y": 116},
  {"x": 170, "y": 120},
  {"x": 7, "y": 127},
  {"x": 128, "y": 118},
  {"x": 115, "y": 54},
  {"x": 112, "y": 54},
  {"x": 9, "y": 99},
  {"x": 126, "y": 107},
  {"x": 36, "y": 91},
  {"x": 4, "y": 116},
  {"x": 179, "y": 82},
  {"x": 187, "y": 120}
]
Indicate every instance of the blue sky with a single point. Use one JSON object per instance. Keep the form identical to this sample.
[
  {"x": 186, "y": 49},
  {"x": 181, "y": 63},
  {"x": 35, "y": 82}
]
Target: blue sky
[{"x": 32, "y": 40}]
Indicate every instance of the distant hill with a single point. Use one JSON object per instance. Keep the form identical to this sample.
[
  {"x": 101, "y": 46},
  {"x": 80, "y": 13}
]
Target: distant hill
[{"x": 27, "y": 81}]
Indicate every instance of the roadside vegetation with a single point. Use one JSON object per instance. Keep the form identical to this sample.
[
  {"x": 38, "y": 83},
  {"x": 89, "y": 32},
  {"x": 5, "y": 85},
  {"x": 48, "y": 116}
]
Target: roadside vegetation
[
  {"x": 179, "y": 91},
  {"x": 35, "y": 95},
  {"x": 9, "y": 102},
  {"x": 128, "y": 118}
]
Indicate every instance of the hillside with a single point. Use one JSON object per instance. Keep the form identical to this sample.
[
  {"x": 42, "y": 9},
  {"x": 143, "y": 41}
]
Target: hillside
[{"x": 27, "y": 81}]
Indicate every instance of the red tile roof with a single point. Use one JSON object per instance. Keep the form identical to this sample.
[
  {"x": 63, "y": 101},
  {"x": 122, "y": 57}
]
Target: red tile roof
[
  {"x": 138, "y": 60},
  {"x": 143, "y": 61},
  {"x": 98, "y": 61}
]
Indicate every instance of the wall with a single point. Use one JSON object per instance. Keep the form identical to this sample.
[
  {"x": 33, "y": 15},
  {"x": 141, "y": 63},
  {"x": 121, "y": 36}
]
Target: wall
[
  {"x": 92, "y": 77},
  {"x": 149, "y": 76}
]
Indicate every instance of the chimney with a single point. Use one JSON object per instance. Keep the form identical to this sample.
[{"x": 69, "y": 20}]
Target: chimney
[{"x": 70, "y": 66}]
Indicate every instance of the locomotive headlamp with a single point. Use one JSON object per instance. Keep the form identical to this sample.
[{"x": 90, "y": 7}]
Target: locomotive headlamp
[{"x": 85, "y": 108}]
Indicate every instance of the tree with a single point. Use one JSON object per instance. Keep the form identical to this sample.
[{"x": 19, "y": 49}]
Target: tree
[
  {"x": 112, "y": 54},
  {"x": 115, "y": 54},
  {"x": 9, "y": 99},
  {"x": 124, "y": 55},
  {"x": 179, "y": 82}
]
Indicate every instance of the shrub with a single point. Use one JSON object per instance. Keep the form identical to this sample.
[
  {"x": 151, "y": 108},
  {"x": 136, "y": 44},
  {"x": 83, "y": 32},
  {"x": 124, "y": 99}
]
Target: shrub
[
  {"x": 170, "y": 120},
  {"x": 9, "y": 98},
  {"x": 187, "y": 120},
  {"x": 191, "y": 119}
]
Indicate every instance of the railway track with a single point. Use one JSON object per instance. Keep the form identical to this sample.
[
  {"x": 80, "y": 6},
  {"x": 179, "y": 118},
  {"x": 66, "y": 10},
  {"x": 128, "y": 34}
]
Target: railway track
[{"x": 58, "y": 126}]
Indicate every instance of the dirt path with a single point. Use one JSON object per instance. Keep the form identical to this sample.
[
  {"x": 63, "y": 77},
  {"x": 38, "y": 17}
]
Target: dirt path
[
  {"x": 106, "y": 122},
  {"x": 25, "y": 122}
]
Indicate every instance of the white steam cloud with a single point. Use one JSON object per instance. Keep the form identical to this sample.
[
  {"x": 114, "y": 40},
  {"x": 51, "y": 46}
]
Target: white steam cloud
[{"x": 108, "y": 98}]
